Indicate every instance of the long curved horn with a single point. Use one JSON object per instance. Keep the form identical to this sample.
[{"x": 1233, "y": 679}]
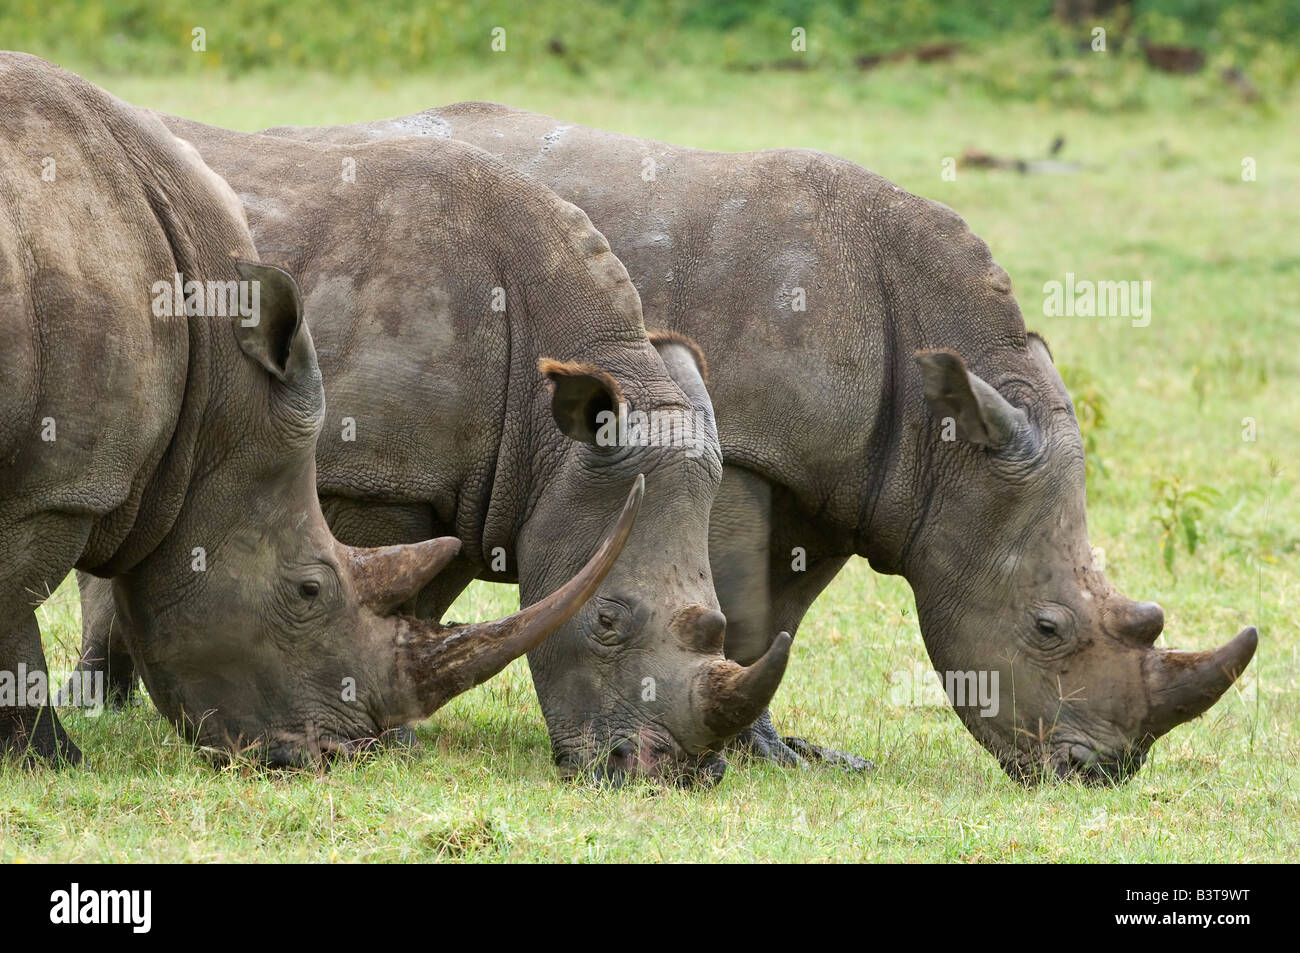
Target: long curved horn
[
  {"x": 730, "y": 696},
  {"x": 439, "y": 662},
  {"x": 1182, "y": 685}
]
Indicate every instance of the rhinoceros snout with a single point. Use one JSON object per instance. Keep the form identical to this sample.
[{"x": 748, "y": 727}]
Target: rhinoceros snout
[
  {"x": 1074, "y": 760},
  {"x": 700, "y": 629},
  {"x": 646, "y": 754},
  {"x": 1099, "y": 769},
  {"x": 1139, "y": 622}
]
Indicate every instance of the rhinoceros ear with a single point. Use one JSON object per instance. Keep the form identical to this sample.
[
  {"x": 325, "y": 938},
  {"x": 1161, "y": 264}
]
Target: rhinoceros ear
[
  {"x": 274, "y": 334},
  {"x": 979, "y": 413},
  {"x": 685, "y": 363},
  {"x": 669, "y": 342},
  {"x": 581, "y": 393},
  {"x": 1037, "y": 343}
]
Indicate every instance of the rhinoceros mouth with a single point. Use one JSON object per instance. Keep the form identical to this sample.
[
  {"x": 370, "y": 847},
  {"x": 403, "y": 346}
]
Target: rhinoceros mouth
[
  {"x": 705, "y": 772},
  {"x": 303, "y": 750},
  {"x": 650, "y": 753},
  {"x": 1081, "y": 762},
  {"x": 1074, "y": 760}
]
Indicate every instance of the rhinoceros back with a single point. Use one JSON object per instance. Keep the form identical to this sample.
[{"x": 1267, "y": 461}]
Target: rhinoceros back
[
  {"x": 727, "y": 247},
  {"x": 101, "y": 204}
]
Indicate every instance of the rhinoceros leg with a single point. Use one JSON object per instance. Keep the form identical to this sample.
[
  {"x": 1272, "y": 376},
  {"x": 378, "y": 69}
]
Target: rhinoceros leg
[
  {"x": 33, "y": 733},
  {"x": 35, "y": 555},
  {"x": 103, "y": 647},
  {"x": 740, "y": 538},
  {"x": 791, "y": 599},
  {"x": 760, "y": 597},
  {"x": 436, "y": 598}
]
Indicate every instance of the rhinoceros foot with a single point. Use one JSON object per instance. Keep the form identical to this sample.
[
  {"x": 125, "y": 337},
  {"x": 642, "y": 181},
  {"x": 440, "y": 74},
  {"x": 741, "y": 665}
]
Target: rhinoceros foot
[
  {"x": 761, "y": 741},
  {"x": 120, "y": 688},
  {"x": 841, "y": 759},
  {"x": 35, "y": 736},
  {"x": 401, "y": 740}
]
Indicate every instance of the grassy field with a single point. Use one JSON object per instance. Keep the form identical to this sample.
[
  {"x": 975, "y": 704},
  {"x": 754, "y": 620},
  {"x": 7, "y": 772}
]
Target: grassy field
[{"x": 1160, "y": 197}]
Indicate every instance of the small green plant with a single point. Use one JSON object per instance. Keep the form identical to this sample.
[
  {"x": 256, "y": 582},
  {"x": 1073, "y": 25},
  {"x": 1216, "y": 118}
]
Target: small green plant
[{"x": 1179, "y": 511}]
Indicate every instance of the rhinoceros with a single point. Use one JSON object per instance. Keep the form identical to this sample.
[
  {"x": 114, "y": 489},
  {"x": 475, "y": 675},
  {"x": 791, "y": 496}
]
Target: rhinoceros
[
  {"x": 472, "y": 329},
  {"x": 877, "y": 394},
  {"x": 169, "y": 445}
]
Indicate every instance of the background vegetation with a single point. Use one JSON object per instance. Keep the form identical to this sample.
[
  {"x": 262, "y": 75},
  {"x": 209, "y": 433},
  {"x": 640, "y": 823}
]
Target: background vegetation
[
  {"x": 1158, "y": 195},
  {"x": 398, "y": 36}
]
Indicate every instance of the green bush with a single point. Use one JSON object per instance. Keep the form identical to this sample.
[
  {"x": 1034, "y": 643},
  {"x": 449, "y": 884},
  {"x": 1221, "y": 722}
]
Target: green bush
[{"x": 399, "y": 36}]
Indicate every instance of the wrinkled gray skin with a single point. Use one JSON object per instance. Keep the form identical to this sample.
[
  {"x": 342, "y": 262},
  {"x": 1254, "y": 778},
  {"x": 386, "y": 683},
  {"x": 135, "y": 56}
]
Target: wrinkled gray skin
[
  {"x": 832, "y": 424},
  {"x": 128, "y": 441},
  {"x": 456, "y": 426}
]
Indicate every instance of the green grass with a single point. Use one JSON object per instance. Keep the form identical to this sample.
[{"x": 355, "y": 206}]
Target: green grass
[{"x": 1161, "y": 199}]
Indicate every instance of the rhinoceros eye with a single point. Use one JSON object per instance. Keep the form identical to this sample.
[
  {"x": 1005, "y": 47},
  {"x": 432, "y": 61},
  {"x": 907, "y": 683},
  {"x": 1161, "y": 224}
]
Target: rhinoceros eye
[
  {"x": 309, "y": 589},
  {"x": 1046, "y": 627}
]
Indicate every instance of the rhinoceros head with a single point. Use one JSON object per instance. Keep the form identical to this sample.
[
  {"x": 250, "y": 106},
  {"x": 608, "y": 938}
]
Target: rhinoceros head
[
  {"x": 1049, "y": 667},
  {"x": 254, "y": 629},
  {"x": 636, "y": 683}
]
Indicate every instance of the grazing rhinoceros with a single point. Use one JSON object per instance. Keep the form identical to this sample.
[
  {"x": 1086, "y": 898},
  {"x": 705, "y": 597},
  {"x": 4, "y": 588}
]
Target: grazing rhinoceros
[
  {"x": 168, "y": 443},
  {"x": 853, "y": 330},
  {"x": 461, "y": 312}
]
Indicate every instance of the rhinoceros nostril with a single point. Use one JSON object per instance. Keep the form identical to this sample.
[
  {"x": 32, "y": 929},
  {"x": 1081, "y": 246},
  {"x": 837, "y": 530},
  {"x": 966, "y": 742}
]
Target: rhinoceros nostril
[
  {"x": 712, "y": 625},
  {"x": 1144, "y": 622},
  {"x": 700, "y": 629}
]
